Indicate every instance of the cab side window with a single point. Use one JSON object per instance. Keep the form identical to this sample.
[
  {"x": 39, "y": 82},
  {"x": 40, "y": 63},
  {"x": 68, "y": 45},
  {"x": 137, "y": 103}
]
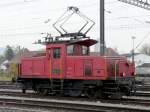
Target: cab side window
[
  {"x": 84, "y": 50},
  {"x": 70, "y": 49},
  {"x": 56, "y": 53}
]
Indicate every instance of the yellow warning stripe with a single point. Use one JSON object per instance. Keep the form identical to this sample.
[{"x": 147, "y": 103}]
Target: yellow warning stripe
[
  {"x": 106, "y": 74},
  {"x": 61, "y": 69},
  {"x": 50, "y": 64},
  {"x": 116, "y": 69}
]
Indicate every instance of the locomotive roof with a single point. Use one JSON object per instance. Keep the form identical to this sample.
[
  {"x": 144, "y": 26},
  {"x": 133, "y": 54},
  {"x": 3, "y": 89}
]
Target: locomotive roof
[{"x": 86, "y": 42}]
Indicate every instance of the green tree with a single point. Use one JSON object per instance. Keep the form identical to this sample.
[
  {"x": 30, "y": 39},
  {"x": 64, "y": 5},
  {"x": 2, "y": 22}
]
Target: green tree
[{"x": 9, "y": 53}]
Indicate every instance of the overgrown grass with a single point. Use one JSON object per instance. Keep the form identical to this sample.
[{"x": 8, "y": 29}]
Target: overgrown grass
[{"x": 6, "y": 77}]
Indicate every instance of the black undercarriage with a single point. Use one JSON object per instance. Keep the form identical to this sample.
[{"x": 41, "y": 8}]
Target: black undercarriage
[{"x": 89, "y": 88}]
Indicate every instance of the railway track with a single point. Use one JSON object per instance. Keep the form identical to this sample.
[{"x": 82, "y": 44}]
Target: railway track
[
  {"x": 143, "y": 87},
  {"x": 8, "y": 85},
  {"x": 5, "y": 82},
  {"x": 83, "y": 106},
  {"x": 25, "y": 100},
  {"x": 143, "y": 93},
  {"x": 125, "y": 102}
]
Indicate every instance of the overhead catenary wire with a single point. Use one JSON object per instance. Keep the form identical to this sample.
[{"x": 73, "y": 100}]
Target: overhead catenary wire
[
  {"x": 94, "y": 5},
  {"x": 134, "y": 27},
  {"x": 17, "y": 34},
  {"x": 24, "y": 28},
  {"x": 146, "y": 36},
  {"x": 128, "y": 17},
  {"x": 106, "y": 18},
  {"x": 47, "y": 10},
  {"x": 16, "y": 3},
  {"x": 56, "y": 9},
  {"x": 23, "y": 2}
]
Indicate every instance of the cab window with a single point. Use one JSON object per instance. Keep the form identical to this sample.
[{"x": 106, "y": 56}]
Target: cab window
[
  {"x": 84, "y": 50},
  {"x": 70, "y": 49},
  {"x": 56, "y": 53},
  {"x": 77, "y": 50}
]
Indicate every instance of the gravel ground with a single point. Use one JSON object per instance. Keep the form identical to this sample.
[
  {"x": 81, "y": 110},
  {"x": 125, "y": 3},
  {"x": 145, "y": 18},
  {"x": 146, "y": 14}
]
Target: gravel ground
[
  {"x": 15, "y": 109},
  {"x": 10, "y": 109}
]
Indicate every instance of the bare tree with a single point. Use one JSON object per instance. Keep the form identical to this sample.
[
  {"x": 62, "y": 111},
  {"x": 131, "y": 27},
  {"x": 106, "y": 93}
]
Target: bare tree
[
  {"x": 145, "y": 49},
  {"x": 9, "y": 53}
]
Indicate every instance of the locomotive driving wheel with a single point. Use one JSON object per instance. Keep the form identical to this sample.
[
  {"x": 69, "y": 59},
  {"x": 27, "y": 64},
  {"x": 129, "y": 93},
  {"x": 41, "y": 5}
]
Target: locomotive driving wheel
[
  {"x": 42, "y": 91},
  {"x": 91, "y": 93},
  {"x": 116, "y": 95},
  {"x": 94, "y": 93},
  {"x": 76, "y": 89}
]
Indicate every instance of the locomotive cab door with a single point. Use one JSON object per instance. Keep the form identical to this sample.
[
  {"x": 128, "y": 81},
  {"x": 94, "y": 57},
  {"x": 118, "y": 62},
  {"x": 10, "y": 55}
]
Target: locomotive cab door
[{"x": 56, "y": 63}]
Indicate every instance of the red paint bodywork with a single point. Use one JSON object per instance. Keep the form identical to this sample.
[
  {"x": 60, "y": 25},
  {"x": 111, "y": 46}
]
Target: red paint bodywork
[{"x": 76, "y": 66}]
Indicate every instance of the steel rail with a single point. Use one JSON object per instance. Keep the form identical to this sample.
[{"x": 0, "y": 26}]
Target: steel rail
[
  {"x": 124, "y": 101},
  {"x": 68, "y": 105}
]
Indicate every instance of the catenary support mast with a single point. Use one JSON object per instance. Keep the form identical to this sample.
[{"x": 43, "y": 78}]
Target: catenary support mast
[{"x": 102, "y": 28}]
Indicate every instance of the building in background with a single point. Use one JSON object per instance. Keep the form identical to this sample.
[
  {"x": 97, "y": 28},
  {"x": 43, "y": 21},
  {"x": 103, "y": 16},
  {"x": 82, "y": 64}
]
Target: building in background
[
  {"x": 108, "y": 52},
  {"x": 142, "y": 63},
  {"x": 139, "y": 58}
]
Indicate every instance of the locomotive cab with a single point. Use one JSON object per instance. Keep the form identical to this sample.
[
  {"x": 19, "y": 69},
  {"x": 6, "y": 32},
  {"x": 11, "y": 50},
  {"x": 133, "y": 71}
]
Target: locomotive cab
[
  {"x": 77, "y": 50},
  {"x": 80, "y": 47},
  {"x": 71, "y": 59}
]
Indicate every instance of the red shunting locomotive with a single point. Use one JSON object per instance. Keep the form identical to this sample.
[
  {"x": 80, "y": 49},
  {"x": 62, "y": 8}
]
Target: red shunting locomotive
[{"x": 68, "y": 68}]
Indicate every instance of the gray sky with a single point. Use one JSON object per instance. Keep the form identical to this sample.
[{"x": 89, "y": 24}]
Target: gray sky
[{"x": 22, "y": 21}]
